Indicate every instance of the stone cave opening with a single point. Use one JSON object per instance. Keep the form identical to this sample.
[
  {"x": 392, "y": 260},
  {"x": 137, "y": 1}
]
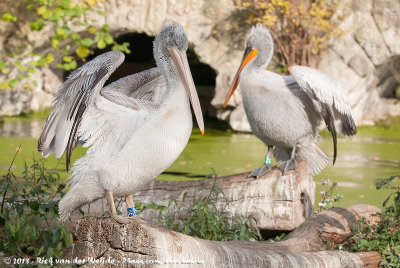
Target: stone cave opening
[
  {"x": 141, "y": 58},
  {"x": 388, "y": 74}
]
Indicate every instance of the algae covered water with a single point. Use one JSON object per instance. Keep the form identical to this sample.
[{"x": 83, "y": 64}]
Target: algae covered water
[{"x": 372, "y": 154}]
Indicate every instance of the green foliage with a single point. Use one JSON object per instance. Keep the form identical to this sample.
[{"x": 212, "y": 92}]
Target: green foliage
[
  {"x": 28, "y": 222},
  {"x": 277, "y": 238},
  {"x": 397, "y": 92},
  {"x": 387, "y": 184},
  {"x": 8, "y": 17},
  {"x": 383, "y": 236},
  {"x": 327, "y": 197},
  {"x": 202, "y": 217},
  {"x": 58, "y": 15}
]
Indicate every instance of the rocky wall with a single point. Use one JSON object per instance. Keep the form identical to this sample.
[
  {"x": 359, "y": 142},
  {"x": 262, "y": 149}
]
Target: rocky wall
[{"x": 365, "y": 58}]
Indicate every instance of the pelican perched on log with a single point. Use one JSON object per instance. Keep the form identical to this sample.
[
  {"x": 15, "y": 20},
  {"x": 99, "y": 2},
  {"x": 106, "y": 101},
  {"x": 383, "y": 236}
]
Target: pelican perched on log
[
  {"x": 136, "y": 127},
  {"x": 286, "y": 111}
]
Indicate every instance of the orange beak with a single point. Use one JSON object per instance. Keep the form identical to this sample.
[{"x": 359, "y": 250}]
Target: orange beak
[{"x": 249, "y": 54}]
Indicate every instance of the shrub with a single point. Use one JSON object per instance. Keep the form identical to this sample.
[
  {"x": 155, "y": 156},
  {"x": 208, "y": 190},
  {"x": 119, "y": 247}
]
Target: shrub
[
  {"x": 301, "y": 29},
  {"x": 29, "y": 224},
  {"x": 327, "y": 197},
  {"x": 202, "y": 217},
  {"x": 383, "y": 236}
]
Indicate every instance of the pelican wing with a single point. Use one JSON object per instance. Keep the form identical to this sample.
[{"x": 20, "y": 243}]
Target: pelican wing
[
  {"x": 120, "y": 110},
  {"x": 334, "y": 105},
  {"x": 330, "y": 93},
  {"x": 144, "y": 86},
  {"x": 71, "y": 101}
]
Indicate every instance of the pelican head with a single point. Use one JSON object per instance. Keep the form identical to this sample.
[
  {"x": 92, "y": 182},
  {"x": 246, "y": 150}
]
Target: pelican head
[
  {"x": 259, "y": 48},
  {"x": 171, "y": 36},
  {"x": 169, "y": 49}
]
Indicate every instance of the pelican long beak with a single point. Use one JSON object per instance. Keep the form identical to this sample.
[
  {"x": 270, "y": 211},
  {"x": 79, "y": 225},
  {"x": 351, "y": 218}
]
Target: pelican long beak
[
  {"x": 249, "y": 54},
  {"x": 183, "y": 66}
]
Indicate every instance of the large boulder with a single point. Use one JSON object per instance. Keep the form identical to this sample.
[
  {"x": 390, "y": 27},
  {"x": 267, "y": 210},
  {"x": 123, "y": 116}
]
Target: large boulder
[{"x": 365, "y": 59}]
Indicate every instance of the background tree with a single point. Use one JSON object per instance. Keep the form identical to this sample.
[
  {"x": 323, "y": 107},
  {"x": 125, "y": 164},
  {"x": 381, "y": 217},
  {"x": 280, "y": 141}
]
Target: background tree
[
  {"x": 73, "y": 36},
  {"x": 301, "y": 28}
]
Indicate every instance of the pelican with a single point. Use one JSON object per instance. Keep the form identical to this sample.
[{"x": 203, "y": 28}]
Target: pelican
[
  {"x": 135, "y": 127},
  {"x": 286, "y": 111}
]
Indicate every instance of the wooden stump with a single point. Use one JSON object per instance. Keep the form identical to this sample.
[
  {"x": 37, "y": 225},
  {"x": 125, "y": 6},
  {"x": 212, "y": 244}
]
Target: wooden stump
[
  {"x": 103, "y": 240},
  {"x": 279, "y": 202}
]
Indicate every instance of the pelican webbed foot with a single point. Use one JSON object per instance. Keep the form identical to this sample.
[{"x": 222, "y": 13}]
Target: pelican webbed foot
[
  {"x": 258, "y": 172},
  {"x": 112, "y": 209},
  {"x": 120, "y": 219},
  {"x": 287, "y": 165}
]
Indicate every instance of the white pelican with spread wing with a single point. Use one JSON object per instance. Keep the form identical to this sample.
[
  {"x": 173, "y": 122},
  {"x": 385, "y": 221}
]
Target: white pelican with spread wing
[{"x": 135, "y": 128}]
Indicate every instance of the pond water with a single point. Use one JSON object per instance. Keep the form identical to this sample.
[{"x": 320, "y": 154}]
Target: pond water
[{"x": 372, "y": 154}]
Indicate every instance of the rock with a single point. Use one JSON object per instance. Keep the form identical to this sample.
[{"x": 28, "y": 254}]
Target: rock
[
  {"x": 388, "y": 23},
  {"x": 26, "y": 97},
  {"x": 238, "y": 119},
  {"x": 13, "y": 102},
  {"x": 362, "y": 56},
  {"x": 371, "y": 40},
  {"x": 361, "y": 64}
]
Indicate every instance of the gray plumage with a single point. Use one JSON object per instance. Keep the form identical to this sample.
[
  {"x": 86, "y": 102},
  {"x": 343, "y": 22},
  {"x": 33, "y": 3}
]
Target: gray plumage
[
  {"x": 286, "y": 111},
  {"x": 135, "y": 127}
]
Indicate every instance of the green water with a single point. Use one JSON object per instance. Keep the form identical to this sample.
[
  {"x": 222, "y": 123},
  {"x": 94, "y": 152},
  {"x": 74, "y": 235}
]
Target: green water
[{"x": 373, "y": 153}]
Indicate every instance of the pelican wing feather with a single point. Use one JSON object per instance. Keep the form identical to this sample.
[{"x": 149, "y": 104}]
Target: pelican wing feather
[
  {"x": 71, "y": 101},
  {"x": 330, "y": 94},
  {"x": 67, "y": 125},
  {"x": 144, "y": 86}
]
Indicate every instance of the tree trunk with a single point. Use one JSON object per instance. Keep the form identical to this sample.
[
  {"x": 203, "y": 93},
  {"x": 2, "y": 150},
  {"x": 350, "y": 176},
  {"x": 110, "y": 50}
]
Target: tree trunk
[
  {"x": 279, "y": 202},
  {"x": 103, "y": 240}
]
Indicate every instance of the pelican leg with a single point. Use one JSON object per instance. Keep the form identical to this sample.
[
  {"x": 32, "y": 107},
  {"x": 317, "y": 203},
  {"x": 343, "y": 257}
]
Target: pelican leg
[
  {"x": 112, "y": 209},
  {"x": 289, "y": 164},
  {"x": 131, "y": 206},
  {"x": 258, "y": 172}
]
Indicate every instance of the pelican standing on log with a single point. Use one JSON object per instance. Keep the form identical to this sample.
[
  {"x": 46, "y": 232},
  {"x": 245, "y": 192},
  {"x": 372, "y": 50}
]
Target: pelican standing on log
[
  {"x": 286, "y": 111},
  {"x": 136, "y": 127}
]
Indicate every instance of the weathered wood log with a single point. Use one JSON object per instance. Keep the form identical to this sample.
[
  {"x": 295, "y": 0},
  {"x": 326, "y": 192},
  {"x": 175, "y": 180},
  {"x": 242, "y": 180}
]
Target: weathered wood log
[
  {"x": 333, "y": 225},
  {"x": 103, "y": 240},
  {"x": 279, "y": 202}
]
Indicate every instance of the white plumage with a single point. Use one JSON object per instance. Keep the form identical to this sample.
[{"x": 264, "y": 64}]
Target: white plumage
[
  {"x": 286, "y": 111},
  {"x": 135, "y": 128}
]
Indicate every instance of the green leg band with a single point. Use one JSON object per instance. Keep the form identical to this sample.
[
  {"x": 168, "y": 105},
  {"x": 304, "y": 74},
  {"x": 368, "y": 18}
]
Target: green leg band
[{"x": 268, "y": 160}]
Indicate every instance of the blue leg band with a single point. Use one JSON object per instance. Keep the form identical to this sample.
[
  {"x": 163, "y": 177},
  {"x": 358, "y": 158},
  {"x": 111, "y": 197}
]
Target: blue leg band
[{"x": 132, "y": 211}]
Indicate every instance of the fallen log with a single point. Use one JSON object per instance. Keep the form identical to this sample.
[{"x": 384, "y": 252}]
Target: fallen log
[
  {"x": 333, "y": 225},
  {"x": 278, "y": 202},
  {"x": 104, "y": 241}
]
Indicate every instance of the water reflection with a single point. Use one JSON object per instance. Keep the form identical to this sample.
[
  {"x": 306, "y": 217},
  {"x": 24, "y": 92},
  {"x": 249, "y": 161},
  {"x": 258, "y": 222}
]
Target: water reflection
[
  {"x": 355, "y": 159},
  {"x": 21, "y": 128}
]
